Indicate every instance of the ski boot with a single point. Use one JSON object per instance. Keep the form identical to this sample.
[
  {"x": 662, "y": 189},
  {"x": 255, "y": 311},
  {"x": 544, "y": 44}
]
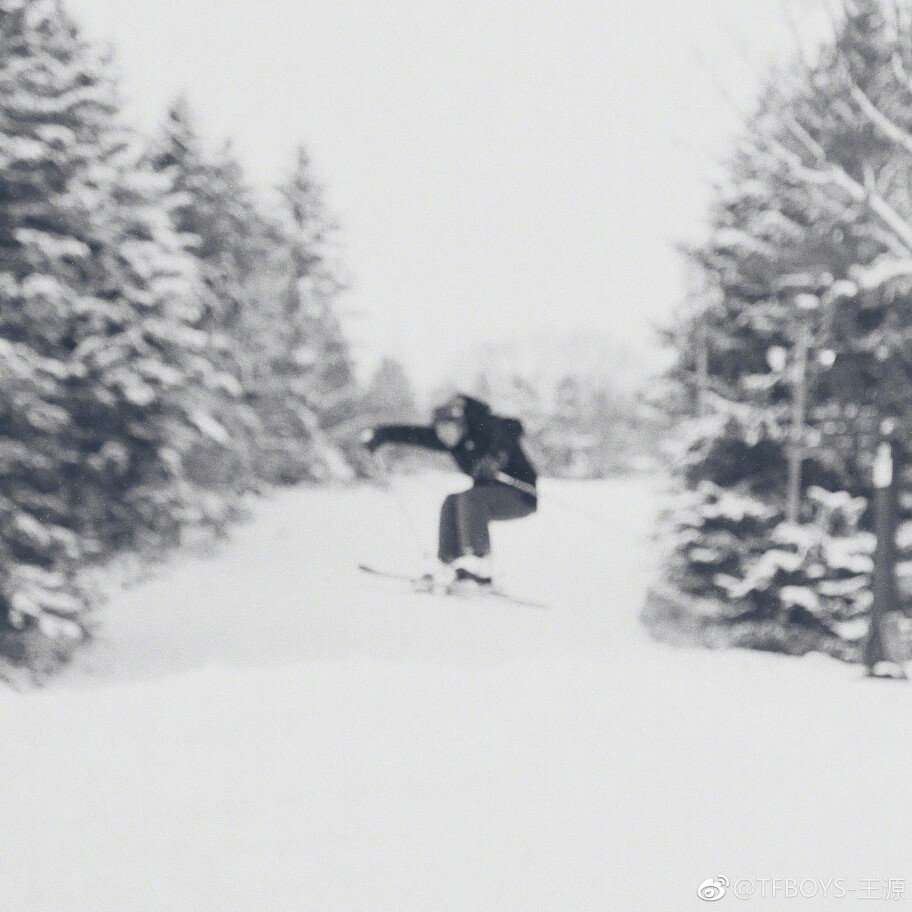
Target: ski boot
[
  {"x": 472, "y": 575},
  {"x": 438, "y": 577}
]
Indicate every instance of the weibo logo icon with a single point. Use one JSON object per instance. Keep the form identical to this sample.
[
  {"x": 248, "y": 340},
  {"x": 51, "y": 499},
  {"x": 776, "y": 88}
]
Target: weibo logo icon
[{"x": 713, "y": 888}]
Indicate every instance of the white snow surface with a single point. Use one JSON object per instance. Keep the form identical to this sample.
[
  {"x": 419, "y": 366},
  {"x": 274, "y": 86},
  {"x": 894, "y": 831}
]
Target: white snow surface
[{"x": 267, "y": 729}]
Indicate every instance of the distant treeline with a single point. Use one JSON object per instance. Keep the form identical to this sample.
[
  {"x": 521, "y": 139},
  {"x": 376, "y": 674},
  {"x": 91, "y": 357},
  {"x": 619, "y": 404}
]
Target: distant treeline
[{"x": 578, "y": 426}]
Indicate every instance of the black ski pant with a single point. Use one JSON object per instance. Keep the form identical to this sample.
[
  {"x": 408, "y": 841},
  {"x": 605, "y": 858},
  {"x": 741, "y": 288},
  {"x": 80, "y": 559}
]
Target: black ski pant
[{"x": 464, "y": 518}]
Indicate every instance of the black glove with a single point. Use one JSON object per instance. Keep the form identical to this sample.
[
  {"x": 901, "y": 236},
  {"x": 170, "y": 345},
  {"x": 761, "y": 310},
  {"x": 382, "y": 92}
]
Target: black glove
[
  {"x": 370, "y": 439},
  {"x": 488, "y": 467}
]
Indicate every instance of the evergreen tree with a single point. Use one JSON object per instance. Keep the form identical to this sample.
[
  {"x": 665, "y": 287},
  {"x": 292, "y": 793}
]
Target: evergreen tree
[
  {"x": 809, "y": 248},
  {"x": 313, "y": 296},
  {"x": 270, "y": 285},
  {"x": 313, "y": 357},
  {"x": 109, "y": 379},
  {"x": 216, "y": 214},
  {"x": 97, "y": 303},
  {"x": 164, "y": 342},
  {"x": 389, "y": 397}
]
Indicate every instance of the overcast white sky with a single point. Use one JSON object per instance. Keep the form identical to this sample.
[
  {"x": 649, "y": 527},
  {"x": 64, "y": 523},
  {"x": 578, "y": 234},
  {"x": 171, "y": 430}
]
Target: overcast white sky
[{"x": 495, "y": 164}]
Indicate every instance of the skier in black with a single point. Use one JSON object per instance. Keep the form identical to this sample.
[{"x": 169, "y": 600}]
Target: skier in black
[{"x": 487, "y": 448}]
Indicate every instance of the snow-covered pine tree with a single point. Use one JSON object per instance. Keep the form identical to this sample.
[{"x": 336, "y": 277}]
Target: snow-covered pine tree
[
  {"x": 217, "y": 210},
  {"x": 311, "y": 236},
  {"x": 809, "y": 244},
  {"x": 217, "y": 217},
  {"x": 268, "y": 307},
  {"x": 389, "y": 396},
  {"x": 316, "y": 360},
  {"x": 97, "y": 298}
]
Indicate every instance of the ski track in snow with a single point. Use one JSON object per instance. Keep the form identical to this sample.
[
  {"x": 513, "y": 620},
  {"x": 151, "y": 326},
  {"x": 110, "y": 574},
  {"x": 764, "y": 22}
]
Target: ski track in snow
[{"x": 269, "y": 730}]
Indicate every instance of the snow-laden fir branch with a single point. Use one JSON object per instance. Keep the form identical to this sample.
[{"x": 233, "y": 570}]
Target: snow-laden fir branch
[
  {"x": 830, "y": 173},
  {"x": 882, "y": 271},
  {"x": 900, "y": 71},
  {"x": 880, "y": 120}
]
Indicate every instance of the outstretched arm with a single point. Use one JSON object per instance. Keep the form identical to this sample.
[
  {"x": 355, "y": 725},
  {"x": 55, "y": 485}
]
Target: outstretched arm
[{"x": 404, "y": 434}]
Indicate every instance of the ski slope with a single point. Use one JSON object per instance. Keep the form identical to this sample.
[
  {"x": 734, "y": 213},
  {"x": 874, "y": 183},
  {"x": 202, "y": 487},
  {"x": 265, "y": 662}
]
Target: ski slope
[{"x": 267, "y": 730}]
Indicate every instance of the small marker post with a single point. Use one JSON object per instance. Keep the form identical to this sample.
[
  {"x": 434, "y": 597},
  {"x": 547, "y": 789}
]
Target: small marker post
[{"x": 884, "y": 592}]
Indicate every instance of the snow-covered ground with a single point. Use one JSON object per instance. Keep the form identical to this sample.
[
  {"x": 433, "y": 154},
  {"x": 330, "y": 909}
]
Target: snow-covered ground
[{"x": 269, "y": 730}]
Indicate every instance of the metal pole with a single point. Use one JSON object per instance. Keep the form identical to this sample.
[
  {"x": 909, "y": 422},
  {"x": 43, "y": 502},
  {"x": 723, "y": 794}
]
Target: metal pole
[
  {"x": 799, "y": 420},
  {"x": 885, "y": 511},
  {"x": 405, "y": 513},
  {"x": 702, "y": 366}
]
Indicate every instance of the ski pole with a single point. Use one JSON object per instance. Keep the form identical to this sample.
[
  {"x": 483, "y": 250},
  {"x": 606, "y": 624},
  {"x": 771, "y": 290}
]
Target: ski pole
[
  {"x": 408, "y": 519},
  {"x": 523, "y": 486},
  {"x": 560, "y": 500}
]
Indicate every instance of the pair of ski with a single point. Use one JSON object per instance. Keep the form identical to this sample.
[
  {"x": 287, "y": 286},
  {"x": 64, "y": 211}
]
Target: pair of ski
[{"x": 423, "y": 584}]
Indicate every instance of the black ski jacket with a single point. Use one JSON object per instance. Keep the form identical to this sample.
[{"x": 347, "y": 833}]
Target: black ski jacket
[{"x": 489, "y": 448}]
